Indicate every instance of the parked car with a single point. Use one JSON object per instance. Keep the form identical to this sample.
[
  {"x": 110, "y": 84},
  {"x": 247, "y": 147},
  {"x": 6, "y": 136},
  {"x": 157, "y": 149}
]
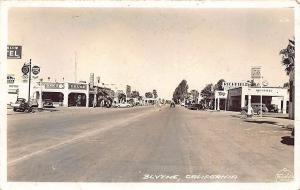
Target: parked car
[
  {"x": 256, "y": 108},
  {"x": 123, "y": 105},
  {"x": 273, "y": 108},
  {"x": 194, "y": 106},
  {"x": 48, "y": 103},
  {"x": 21, "y": 105}
]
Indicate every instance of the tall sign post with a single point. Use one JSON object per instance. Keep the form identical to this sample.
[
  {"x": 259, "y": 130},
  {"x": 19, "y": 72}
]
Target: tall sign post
[{"x": 255, "y": 74}]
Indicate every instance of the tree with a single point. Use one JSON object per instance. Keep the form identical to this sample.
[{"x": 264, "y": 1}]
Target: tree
[
  {"x": 219, "y": 85},
  {"x": 135, "y": 94},
  {"x": 288, "y": 56},
  {"x": 154, "y": 93},
  {"x": 148, "y": 95},
  {"x": 122, "y": 97},
  {"x": 207, "y": 92},
  {"x": 180, "y": 92},
  {"x": 194, "y": 95}
]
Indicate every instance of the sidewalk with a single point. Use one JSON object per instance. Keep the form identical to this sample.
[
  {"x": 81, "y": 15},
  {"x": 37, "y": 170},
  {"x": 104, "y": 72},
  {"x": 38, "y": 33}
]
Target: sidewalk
[{"x": 277, "y": 119}]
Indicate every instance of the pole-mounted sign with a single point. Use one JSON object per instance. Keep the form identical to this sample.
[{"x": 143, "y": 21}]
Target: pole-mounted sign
[
  {"x": 25, "y": 69},
  {"x": 14, "y": 52},
  {"x": 35, "y": 70},
  {"x": 256, "y": 72}
]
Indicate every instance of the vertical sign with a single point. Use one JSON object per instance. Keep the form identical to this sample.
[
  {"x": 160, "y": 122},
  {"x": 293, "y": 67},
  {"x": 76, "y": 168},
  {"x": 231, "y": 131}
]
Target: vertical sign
[
  {"x": 14, "y": 52},
  {"x": 91, "y": 80},
  {"x": 256, "y": 72},
  {"x": 128, "y": 90}
]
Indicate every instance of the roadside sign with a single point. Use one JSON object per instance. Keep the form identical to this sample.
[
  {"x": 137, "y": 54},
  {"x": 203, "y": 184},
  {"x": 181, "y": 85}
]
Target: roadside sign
[
  {"x": 10, "y": 79},
  {"x": 77, "y": 86},
  {"x": 25, "y": 76},
  {"x": 14, "y": 52},
  {"x": 35, "y": 70},
  {"x": 25, "y": 69},
  {"x": 255, "y": 72},
  {"x": 92, "y": 80},
  {"x": 51, "y": 85}
]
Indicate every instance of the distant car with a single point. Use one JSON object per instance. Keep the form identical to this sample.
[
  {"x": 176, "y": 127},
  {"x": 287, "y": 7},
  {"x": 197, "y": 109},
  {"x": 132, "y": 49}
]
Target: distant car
[
  {"x": 194, "y": 106},
  {"x": 256, "y": 109},
  {"x": 123, "y": 105},
  {"x": 273, "y": 108},
  {"x": 182, "y": 104},
  {"x": 21, "y": 105},
  {"x": 48, "y": 103}
]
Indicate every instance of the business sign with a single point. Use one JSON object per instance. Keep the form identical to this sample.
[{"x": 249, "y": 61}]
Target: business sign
[
  {"x": 11, "y": 79},
  {"x": 14, "y": 52},
  {"x": 54, "y": 85},
  {"x": 35, "y": 70},
  {"x": 256, "y": 72},
  {"x": 231, "y": 85},
  {"x": 76, "y": 86},
  {"x": 92, "y": 80},
  {"x": 220, "y": 94},
  {"x": 25, "y": 69}
]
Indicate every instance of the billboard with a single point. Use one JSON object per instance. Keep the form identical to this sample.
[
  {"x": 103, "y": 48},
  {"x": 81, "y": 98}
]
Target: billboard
[
  {"x": 256, "y": 72},
  {"x": 14, "y": 52}
]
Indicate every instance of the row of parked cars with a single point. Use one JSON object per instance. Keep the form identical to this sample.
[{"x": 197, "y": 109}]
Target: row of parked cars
[
  {"x": 257, "y": 109},
  {"x": 22, "y": 105}
]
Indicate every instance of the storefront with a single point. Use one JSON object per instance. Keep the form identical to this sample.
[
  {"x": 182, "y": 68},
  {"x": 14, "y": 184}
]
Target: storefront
[
  {"x": 275, "y": 96},
  {"x": 62, "y": 94},
  {"x": 220, "y": 100}
]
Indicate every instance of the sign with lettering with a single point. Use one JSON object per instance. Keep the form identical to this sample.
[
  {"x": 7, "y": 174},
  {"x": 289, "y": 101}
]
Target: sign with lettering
[
  {"x": 77, "y": 86},
  {"x": 256, "y": 72},
  {"x": 10, "y": 79},
  {"x": 25, "y": 69},
  {"x": 231, "y": 85},
  {"x": 54, "y": 85},
  {"x": 14, "y": 52},
  {"x": 35, "y": 70},
  {"x": 220, "y": 94}
]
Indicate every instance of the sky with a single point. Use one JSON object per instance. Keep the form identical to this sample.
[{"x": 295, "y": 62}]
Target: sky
[{"x": 152, "y": 48}]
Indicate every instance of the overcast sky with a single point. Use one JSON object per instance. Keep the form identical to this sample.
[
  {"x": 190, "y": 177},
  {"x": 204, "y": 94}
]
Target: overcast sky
[{"x": 152, "y": 48}]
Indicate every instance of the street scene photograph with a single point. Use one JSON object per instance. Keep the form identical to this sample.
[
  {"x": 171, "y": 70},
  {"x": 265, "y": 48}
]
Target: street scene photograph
[{"x": 150, "y": 95}]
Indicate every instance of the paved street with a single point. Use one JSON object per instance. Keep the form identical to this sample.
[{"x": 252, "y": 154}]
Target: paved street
[{"x": 145, "y": 144}]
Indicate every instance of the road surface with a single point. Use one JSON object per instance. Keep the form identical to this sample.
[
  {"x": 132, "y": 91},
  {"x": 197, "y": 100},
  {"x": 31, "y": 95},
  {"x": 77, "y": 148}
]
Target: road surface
[{"x": 144, "y": 144}]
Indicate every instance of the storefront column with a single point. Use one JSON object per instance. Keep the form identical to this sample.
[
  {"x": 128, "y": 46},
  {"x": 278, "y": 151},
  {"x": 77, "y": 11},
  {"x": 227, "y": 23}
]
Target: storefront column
[
  {"x": 243, "y": 97},
  {"x": 284, "y": 106},
  {"x": 215, "y": 108},
  {"x": 249, "y": 105},
  {"x": 66, "y": 99},
  {"x": 87, "y": 100},
  {"x": 218, "y": 108}
]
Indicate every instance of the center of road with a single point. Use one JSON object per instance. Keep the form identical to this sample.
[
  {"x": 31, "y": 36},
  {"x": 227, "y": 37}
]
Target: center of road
[{"x": 119, "y": 123}]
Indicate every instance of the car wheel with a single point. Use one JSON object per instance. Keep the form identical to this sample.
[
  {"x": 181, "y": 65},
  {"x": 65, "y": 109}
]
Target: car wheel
[
  {"x": 15, "y": 109},
  {"x": 259, "y": 112}
]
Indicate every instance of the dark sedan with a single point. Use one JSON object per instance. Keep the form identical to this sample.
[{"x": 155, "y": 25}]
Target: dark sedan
[{"x": 48, "y": 103}]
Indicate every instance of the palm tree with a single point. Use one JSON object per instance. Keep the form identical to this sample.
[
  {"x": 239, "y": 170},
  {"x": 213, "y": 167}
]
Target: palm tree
[{"x": 288, "y": 56}]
